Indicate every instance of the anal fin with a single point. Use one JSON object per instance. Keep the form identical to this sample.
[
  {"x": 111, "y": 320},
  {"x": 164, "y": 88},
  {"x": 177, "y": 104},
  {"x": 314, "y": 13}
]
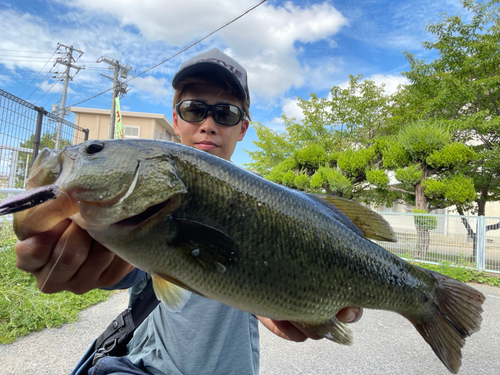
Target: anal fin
[{"x": 333, "y": 330}]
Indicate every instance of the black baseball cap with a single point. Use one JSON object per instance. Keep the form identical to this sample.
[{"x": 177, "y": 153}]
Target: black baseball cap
[{"x": 215, "y": 61}]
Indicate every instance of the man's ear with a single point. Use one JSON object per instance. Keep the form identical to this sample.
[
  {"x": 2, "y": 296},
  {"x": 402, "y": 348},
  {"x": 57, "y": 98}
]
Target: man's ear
[
  {"x": 243, "y": 130},
  {"x": 175, "y": 123}
]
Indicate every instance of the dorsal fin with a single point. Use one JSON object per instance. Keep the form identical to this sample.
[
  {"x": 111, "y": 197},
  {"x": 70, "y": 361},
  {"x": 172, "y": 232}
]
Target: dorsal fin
[{"x": 370, "y": 223}]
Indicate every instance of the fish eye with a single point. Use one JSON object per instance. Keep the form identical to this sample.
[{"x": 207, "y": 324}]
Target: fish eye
[{"x": 94, "y": 147}]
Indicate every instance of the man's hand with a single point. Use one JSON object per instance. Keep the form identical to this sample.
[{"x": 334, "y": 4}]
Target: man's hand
[
  {"x": 297, "y": 332},
  {"x": 82, "y": 263}
]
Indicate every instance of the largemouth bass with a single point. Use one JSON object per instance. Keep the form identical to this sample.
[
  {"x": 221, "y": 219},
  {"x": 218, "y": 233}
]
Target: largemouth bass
[{"x": 199, "y": 223}]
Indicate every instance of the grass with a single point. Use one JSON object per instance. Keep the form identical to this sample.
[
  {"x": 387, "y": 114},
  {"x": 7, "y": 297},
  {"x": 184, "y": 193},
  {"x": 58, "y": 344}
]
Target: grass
[
  {"x": 23, "y": 308},
  {"x": 462, "y": 273}
]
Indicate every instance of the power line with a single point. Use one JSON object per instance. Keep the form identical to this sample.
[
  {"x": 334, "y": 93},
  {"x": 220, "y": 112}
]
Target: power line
[
  {"x": 18, "y": 50},
  {"x": 26, "y": 55},
  {"x": 179, "y": 52},
  {"x": 39, "y": 84},
  {"x": 20, "y": 70},
  {"x": 202, "y": 39},
  {"x": 47, "y": 91},
  {"x": 48, "y": 101},
  {"x": 39, "y": 73},
  {"x": 17, "y": 59}
]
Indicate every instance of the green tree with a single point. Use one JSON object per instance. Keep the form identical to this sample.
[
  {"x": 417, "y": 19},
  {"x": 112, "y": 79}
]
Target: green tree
[
  {"x": 427, "y": 163},
  {"x": 272, "y": 149},
  {"x": 461, "y": 87},
  {"x": 314, "y": 148}
]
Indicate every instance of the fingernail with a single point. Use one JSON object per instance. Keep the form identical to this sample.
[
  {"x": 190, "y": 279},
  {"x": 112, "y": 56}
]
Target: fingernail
[{"x": 352, "y": 315}]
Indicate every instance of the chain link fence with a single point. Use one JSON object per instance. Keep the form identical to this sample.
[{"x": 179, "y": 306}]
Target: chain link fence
[
  {"x": 470, "y": 241},
  {"x": 24, "y": 130}
]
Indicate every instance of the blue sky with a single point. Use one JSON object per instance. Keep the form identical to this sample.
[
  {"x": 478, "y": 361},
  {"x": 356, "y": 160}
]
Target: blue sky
[{"x": 289, "y": 48}]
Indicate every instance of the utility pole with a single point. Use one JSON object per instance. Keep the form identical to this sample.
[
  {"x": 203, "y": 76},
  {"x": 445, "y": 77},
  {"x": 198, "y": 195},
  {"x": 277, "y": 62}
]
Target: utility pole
[
  {"x": 68, "y": 62},
  {"x": 118, "y": 87}
]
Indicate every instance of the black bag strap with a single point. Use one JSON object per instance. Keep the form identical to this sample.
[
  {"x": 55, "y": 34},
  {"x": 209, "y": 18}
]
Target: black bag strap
[
  {"x": 114, "y": 339},
  {"x": 145, "y": 303}
]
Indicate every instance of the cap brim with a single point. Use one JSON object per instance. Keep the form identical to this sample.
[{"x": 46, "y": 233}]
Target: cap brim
[{"x": 209, "y": 68}]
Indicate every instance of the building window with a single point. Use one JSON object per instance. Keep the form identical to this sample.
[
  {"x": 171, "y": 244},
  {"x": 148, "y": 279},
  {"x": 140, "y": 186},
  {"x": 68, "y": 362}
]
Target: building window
[{"x": 131, "y": 131}]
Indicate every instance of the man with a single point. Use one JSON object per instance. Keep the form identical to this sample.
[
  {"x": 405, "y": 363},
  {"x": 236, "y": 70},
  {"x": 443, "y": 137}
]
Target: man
[{"x": 211, "y": 113}]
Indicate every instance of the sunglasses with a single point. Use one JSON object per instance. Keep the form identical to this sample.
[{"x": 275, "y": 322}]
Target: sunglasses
[{"x": 196, "y": 111}]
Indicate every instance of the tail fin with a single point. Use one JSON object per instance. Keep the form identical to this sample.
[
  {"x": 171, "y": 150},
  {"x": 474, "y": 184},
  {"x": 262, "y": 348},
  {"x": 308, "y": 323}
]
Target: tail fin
[{"x": 458, "y": 315}]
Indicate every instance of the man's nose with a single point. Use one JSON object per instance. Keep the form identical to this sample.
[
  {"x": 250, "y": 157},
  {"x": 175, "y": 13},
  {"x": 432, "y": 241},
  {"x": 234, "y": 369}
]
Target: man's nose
[{"x": 209, "y": 125}]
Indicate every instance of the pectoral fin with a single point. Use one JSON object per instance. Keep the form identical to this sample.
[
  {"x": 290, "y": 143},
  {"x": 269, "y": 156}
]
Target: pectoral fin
[
  {"x": 173, "y": 297},
  {"x": 208, "y": 247}
]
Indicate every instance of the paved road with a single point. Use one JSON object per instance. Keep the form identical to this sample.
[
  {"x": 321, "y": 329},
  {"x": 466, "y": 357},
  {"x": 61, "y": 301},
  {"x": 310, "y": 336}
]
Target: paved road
[{"x": 385, "y": 343}]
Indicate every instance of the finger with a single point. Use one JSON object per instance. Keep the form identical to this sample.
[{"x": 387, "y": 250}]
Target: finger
[
  {"x": 69, "y": 253},
  {"x": 35, "y": 252},
  {"x": 289, "y": 331},
  {"x": 101, "y": 268},
  {"x": 282, "y": 329},
  {"x": 350, "y": 314},
  {"x": 117, "y": 270},
  {"x": 306, "y": 331}
]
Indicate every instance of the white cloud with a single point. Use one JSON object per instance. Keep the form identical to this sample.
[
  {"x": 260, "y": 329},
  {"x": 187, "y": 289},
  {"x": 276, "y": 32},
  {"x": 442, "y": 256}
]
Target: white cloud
[
  {"x": 27, "y": 31},
  {"x": 268, "y": 41},
  {"x": 264, "y": 40},
  {"x": 155, "y": 86},
  {"x": 276, "y": 124},
  {"x": 291, "y": 109},
  {"x": 391, "y": 82},
  {"x": 52, "y": 87},
  {"x": 156, "y": 89},
  {"x": 321, "y": 72}
]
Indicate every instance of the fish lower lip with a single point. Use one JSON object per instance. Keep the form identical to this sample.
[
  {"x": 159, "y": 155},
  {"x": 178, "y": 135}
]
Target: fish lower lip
[
  {"x": 143, "y": 216},
  {"x": 159, "y": 209}
]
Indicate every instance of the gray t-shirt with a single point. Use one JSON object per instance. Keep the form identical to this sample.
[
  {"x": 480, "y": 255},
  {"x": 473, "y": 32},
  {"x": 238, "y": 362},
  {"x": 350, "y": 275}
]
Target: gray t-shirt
[{"x": 204, "y": 338}]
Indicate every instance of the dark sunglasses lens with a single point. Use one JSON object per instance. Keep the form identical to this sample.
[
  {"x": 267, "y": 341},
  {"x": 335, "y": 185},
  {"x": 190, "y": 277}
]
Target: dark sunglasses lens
[
  {"x": 191, "y": 110},
  {"x": 227, "y": 114}
]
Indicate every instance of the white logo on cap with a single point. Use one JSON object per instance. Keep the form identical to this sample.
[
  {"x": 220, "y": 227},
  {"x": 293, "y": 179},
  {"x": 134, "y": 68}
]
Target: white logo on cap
[{"x": 228, "y": 66}]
